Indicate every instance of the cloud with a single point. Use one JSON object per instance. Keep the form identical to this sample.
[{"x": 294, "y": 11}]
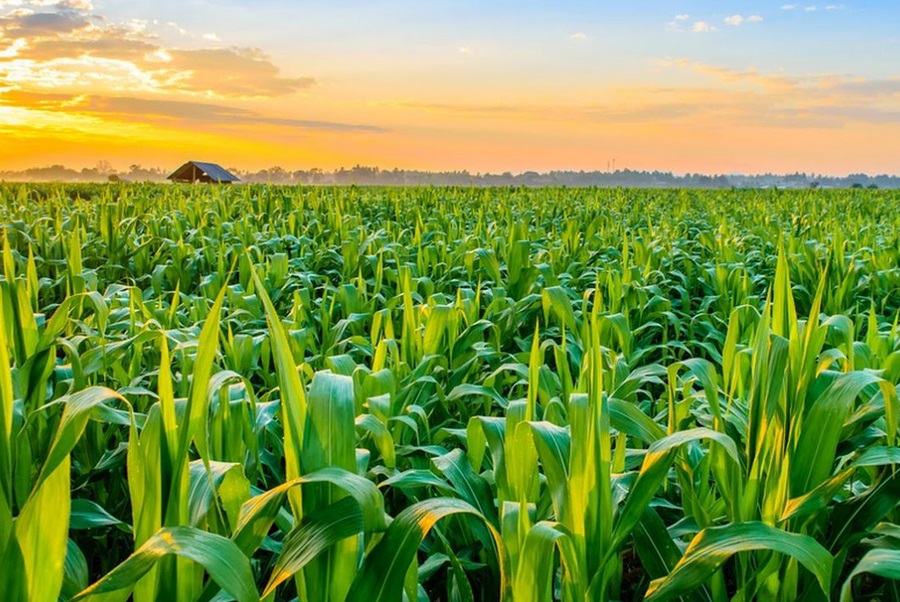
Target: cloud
[
  {"x": 738, "y": 20},
  {"x": 463, "y": 109},
  {"x": 238, "y": 72},
  {"x": 63, "y": 44},
  {"x": 167, "y": 112},
  {"x": 13, "y": 49},
  {"x": 822, "y": 101},
  {"x": 74, "y": 4},
  {"x": 178, "y": 28},
  {"x": 812, "y": 8},
  {"x": 24, "y": 23},
  {"x": 679, "y": 23},
  {"x": 464, "y": 50},
  {"x": 724, "y": 97},
  {"x": 579, "y": 36}
]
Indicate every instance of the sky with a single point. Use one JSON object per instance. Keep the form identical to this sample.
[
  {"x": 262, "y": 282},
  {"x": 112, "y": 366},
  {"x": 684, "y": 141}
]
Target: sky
[{"x": 485, "y": 86}]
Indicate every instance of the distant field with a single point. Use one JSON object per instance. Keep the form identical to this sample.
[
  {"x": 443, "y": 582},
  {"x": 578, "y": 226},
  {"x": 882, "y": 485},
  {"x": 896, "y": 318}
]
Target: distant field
[{"x": 384, "y": 394}]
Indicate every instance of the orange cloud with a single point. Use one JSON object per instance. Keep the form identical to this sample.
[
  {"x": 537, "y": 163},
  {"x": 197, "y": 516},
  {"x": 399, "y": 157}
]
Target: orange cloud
[
  {"x": 68, "y": 47},
  {"x": 169, "y": 112}
]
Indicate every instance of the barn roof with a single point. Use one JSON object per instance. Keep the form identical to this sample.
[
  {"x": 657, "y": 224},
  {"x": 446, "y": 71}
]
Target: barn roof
[{"x": 214, "y": 172}]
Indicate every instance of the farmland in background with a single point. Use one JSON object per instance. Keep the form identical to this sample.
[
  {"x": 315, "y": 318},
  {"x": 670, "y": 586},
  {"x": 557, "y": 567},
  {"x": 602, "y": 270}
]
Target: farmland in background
[{"x": 384, "y": 394}]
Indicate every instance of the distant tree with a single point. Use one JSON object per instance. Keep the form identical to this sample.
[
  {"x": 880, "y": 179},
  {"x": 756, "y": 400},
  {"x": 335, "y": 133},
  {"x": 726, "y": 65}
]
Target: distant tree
[{"x": 90, "y": 174}]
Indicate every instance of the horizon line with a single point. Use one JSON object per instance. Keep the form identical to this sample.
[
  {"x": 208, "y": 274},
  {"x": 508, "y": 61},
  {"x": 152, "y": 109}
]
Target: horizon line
[{"x": 110, "y": 170}]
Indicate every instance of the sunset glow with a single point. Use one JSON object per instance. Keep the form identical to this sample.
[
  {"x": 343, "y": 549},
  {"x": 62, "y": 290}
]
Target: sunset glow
[{"x": 702, "y": 87}]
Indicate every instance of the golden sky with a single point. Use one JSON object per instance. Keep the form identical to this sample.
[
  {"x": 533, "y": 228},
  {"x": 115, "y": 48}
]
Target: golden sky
[{"x": 444, "y": 86}]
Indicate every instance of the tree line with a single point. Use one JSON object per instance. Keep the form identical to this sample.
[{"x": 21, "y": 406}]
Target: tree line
[{"x": 374, "y": 176}]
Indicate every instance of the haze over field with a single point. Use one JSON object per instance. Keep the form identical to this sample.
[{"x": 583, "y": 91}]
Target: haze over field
[{"x": 714, "y": 87}]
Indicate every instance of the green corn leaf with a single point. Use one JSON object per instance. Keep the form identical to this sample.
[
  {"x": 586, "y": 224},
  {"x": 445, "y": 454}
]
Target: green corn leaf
[
  {"x": 629, "y": 419},
  {"x": 220, "y": 557},
  {"x": 489, "y": 432},
  {"x": 76, "y": 413},
  {"x": 823, "y": 495},
  {"x": 86, "y": 514},
  {"x": 76, "y": 576},
  {"x": 653, "y": 471},
  {"x": 534, "y": 577},
  {"x": 6, "y": 430},
  {"x": 198, "y": 400},
  {"x": 316, "y": 533},
  {"x": 210, "y": 481},
  {"x": 417, "y": 479},
  {"x": 35, "y": 559},
  {"x": 814, "y": 457},
  {"x": 855, "y": 517},
  {"x": 879, "y": 561},
  {"x": 330, "y": 442},
  {"x": 260, "y": 512},
  {"x": 555, "y": 300},
  {"x": 470, "y": 486},
  {"x": 654, "y": 545},
  {"x": 435, "y": 327},
  {"x": 381, "y": 437},
  {"x": 553, "y": 446},
  {"x": 713, "y": 546},
  {"x": 382, "y": 574},
  {"x": 293, "y": 394}
]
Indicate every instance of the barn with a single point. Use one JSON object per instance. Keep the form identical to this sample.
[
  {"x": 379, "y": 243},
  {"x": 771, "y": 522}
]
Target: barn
[{"x": 207, "y": 173}]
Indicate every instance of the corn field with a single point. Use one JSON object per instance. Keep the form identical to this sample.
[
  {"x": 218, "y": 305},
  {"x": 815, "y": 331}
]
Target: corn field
[{"x": 421, "y": 394}]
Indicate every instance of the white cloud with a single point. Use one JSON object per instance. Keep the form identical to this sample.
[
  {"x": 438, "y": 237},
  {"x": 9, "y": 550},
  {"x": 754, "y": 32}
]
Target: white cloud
[
  {"x": 178, "y": 28},
  {"x": 465, "y": 50},
  {"x": 77, "y": 4},
  {"x": 702, "y": 27},
  {"x": 158, "y": 56},
  {"x": 211, "y": 37},
  {"x": 812, "y": 8},
  {"x": 12, "y": 50},
  {"x": 136, "y": 26},
  {"x": 69, "y": 4},
  {"x": 578, "y": 36},
  {"x": 738, "y": 20},
  {"x": 677, "y": 22},
  {"x": 85, "y": 72}
]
